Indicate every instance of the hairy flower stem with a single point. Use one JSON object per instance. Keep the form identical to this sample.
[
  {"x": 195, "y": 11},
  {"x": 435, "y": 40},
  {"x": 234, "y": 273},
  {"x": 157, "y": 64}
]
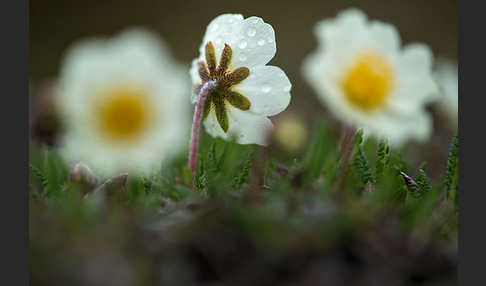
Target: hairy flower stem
[
  {"x": 345, "y": 155},
  {"x": 205, "y": 90}
]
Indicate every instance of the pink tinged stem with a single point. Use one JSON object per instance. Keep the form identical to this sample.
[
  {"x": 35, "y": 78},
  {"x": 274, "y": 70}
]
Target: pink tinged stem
[{"x": 196, "y": 123}]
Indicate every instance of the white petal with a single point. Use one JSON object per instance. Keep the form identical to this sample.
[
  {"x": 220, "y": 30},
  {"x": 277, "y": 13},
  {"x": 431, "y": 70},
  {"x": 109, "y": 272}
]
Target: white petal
[
  {"x": 401, "y": 130},
  {"x": 415, "y": 83},
  {"x": 341, "y": 30},
  {"x": 219, "y": 31},
  {"x": 268, "y": 90},
  {"x": 244, "y": 127},
  {"x": 415, "y": 60},
  {"x": 255, "y": 45},
  {"x": 386, "y": 36},
  {"x": 251, "y": 39}
]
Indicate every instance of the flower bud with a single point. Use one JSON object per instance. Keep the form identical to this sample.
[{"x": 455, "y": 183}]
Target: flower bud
[{"x": 82, "y": 175}]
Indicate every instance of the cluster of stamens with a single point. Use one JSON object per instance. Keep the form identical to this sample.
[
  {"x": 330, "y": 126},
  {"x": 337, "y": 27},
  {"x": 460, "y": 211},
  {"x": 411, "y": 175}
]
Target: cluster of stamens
[{"x": 222, "y": 92}]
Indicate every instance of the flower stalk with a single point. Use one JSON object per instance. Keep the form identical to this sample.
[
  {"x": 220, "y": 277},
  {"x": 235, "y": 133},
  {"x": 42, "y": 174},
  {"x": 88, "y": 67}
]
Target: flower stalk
[
  {"x": 204, "y": 91},
  {"x": 346, "y": 151}
]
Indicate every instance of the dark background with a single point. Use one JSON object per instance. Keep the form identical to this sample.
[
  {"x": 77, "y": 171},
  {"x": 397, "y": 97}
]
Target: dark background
[{"x": 55, "y": 25}]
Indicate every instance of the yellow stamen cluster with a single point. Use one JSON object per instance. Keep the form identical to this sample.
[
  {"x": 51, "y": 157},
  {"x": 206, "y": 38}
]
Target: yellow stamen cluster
[
  {"x": 124, "y": 113},
  {"x": 369, "y": 81}
]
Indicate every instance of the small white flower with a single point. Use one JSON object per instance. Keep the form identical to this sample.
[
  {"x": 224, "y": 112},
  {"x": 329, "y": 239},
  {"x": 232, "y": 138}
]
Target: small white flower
[
  {"x": 363, "y": 77},
  {"x": 123, "y": 102},
  {"x": 447, "y": 76},
  {"x": 234, "y": 53}
]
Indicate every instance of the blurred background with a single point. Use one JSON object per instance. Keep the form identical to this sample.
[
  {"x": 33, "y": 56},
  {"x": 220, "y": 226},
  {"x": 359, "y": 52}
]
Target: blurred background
[{"x": 55, "y": 25}]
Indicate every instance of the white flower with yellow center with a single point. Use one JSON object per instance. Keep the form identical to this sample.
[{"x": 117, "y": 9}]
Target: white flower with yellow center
[
  {"x": 363, "y": 77},
  {"x": 123, "y": 102},
  {"x": 245, "y": 91}
]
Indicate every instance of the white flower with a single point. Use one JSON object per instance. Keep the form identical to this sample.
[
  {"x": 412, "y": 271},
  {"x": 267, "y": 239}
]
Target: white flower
[
  {"x": 123, "y": 102},
  {"x": 363, "y": 77},
  {"x": 234, "y": 52},
  {"x": 447, "y": 76}
]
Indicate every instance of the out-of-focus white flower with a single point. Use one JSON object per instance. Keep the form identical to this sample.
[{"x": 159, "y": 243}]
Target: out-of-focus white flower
[
  {"x": 123, "y": 102},
  {"x": 290, "y": 133},
  {"x": 447, "y": 76},
  {"x": 234, "y": 53},
  {"x": 363, "y": 77}
]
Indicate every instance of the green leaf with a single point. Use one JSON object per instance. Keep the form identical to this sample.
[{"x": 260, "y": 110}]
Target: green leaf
[
  {"x": 452, "y": 163},
  {"x": 237, "y": 99},
  {"x": 225, "y": 59},
  {"x": 423, "y": 181},
  {"x": 38, "y": 174},
  {"x": 238, "y": 75},
  {"x": 382, "y": 159},
  {"x": 220, "y": 109},
  {"x": 210, "y": 57},
  {"x": 244, "y": 171},
  {"x": 362, "y": 166},
  {"x": 320, "y": 151},
  {"x": 211, "y": 161},
  {"x": 400, "y": 164}
]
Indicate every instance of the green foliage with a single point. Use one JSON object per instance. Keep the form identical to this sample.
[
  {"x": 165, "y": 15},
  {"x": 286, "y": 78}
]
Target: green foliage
[
  {"x": 167, "y": 219},
  {"x": 382, "y": 159},
  {"x": 320, "y": 152},
  {"x": 361, "y": 164},
  {"x": 38, "y": 174},
  {"x": 240, "y": 180},
  {"x": 423, "y": 181},
  {"x": 452, "y": 165}
]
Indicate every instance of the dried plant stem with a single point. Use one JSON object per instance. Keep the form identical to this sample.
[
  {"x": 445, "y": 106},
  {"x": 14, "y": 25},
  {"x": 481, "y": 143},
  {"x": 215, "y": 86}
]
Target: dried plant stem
[{"x": 205, "y": 90}]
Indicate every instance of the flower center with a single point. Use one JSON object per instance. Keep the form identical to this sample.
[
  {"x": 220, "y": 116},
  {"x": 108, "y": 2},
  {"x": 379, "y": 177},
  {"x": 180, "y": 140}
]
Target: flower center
[
  {"x": 369, "y": 81},
  {"x": 124, "y": 113}
]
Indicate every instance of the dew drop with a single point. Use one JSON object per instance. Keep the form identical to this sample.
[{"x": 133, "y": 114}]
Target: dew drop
[
  {"x": 231, "y": 20},
  {"x": 214, "y": 27},
  {"x": 243, "y": 57},
  {"x": 254, "y": 21},
  {"x": 251, "y": 32},
  {"x": 287, "y": 88},
  {"x": 261, "y": 42},
  {"x": 270, "y": 39},
  {"x": 266, "y": 87},
  {"x": 243, "y": 44}
]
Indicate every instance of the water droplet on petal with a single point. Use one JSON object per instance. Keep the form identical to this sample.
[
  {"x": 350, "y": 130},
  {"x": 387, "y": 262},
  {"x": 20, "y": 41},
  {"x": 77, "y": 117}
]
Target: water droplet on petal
[
  {"x": 243, "y": 57},
  {"x": 266, "y": 87},
  {"x": 287, "y": 87},
  {"x": 214, "y": 27},
  {"x": 255, "y": 21},
  {"x": 251, "y": 32},
  {"x": 261, "y": 42},
  {"x": 231, "y": 20},
  {"x": 270, "y": 39},
  {"x": 243, "y": 44}
]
